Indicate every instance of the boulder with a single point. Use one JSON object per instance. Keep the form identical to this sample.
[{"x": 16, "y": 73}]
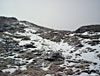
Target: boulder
[
  {"x": 69, "y": 72},
  {"x": 55, "y": 57},
  {"x": 29, "y": 46},
  {"x": 26, "y": 38}
]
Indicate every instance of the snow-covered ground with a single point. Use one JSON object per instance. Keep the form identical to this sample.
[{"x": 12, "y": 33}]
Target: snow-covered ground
[{"x": 44, "y": 44}]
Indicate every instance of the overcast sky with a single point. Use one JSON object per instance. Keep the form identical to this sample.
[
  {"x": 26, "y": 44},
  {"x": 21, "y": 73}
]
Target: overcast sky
[{"x": 58, "y": 14}]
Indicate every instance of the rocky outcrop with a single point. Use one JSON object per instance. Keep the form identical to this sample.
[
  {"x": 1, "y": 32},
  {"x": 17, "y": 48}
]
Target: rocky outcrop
[
  {"x": 91, "y": 28},
  {"x": 7, "y": 22},
  {"x": 29, "y": 46},
  {"x": 32, "y": 50}
]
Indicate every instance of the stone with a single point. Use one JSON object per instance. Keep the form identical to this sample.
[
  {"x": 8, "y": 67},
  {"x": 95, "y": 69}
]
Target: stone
[
  {"x": 55, "y": 57},
  {"x": 26, "y": 38},
  {"x": 59, "y": 74},
  {"x": 80, "y": 45},
  {"x": 17, "y": 72},
  {"x": 98, "y": 55},
  {"x": 29, "y": 46},
  {"x": 56, "y": 68},
  {"x": 69, "y": 72}
]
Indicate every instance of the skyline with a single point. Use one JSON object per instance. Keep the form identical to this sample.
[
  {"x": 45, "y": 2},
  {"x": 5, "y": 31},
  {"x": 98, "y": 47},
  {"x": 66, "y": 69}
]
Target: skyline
[{"x": 56, "y": 14}]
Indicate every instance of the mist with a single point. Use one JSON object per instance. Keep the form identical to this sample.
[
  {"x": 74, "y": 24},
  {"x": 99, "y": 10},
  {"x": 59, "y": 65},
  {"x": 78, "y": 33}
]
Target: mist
[{"x": 56, "y": 14}]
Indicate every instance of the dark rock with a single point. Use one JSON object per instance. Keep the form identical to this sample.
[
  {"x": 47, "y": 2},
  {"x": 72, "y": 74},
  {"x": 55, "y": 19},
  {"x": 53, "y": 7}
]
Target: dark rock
[
  {"x": 98, "y": 55},
  {"x": 19, "y": 36},
  {"x": 17, "y": 72},
  {"x": 59, "y": 74},
  {"x": 6, "y": 23},
  {"x": 77, "y": 71},
  {"x": 90, "y": 71},
  {"x": 87, "y": 71},
  {"x": 55, "y": 57},
  {"x": 17, "y": 49},
  {"x": 5, "y": 62},
  {"x": 56, "y": 68},
  {"x": 79, "y": 61},
  {"x": 81, "y": 66},
  {"x": 35, "y": 64},
  {"x": 79, "y": 45},
  {"x": 91, "y": 28},
  {"x": 68, "y": 57},
  {"x": 35, "y": 72},
  {"x": 94, "y": 42},
  {"x": 69, "y": 72},
  {"x": 3, "y": 74},
  {"x": 95, "y": 63},
  {"x": 73, "y": 61},
  {"x": 1, "y": 30},
  {"x": 89, "y": 37},
  {"x": 0, "y": 71},
  {"x": 77, "y": 55},
  {"x": 26, "y": 38},
  {"x": 29, "y": 46},
  {"x": 93, "y": 71}
]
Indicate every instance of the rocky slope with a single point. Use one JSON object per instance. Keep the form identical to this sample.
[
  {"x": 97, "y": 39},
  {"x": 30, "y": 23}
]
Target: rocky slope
[{"x": 27, "y": 49}]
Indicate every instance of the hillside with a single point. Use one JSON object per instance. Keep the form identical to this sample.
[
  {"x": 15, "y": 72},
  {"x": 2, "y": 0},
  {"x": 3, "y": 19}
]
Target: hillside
[{"x": 27, "y": 49}]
